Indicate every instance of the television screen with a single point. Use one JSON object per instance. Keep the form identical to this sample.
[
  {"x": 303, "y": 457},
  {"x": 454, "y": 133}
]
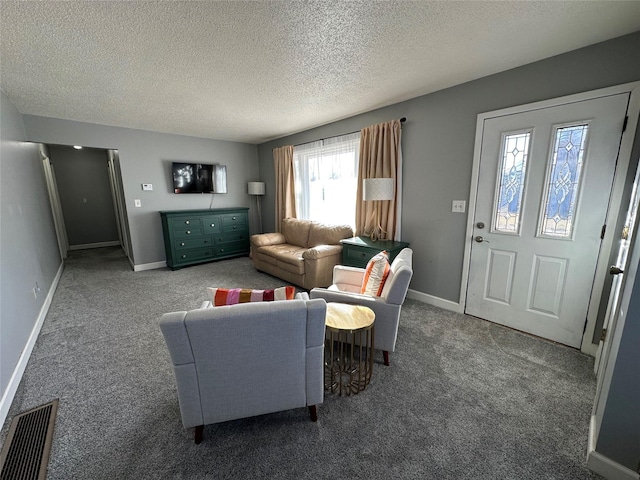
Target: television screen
[{"x": 199, "y": 178}]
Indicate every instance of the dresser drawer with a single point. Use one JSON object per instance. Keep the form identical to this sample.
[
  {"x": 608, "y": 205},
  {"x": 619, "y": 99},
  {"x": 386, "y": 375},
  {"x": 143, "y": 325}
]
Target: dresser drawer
[
  {"x": 357, "y": 257},
  {"x": 241, "y": 237},
  {"x": 234, "y": 222},
  {"x": 211, "y": 224},
  {"x": 195, "y": 255},
  {"x": 188, "y": 232},
  {"x": 184, "y": 222},
  {"x": 195, "y": 242},
  {"x": 223, "y": 249}
]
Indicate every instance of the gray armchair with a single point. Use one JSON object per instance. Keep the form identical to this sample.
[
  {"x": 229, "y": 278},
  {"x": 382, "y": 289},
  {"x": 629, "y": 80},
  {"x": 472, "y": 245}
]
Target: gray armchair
[
  {"x": 244, "y": 360},
  {"x": 347, "y": 282}
]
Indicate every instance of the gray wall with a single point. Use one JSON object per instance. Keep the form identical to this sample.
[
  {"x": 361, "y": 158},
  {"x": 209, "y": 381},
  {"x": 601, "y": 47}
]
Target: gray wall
[
  {"x": 85, "y": 194},
  {"x": 29, "y": 248},
  {"x": 438, "y": 142},
  {"x": 145, "y": 157}
]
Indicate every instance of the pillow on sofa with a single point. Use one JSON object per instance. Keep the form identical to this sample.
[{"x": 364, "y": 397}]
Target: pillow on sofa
[
  {"x": 231, "y": 296},
  {"x": 375, "y": 275}
]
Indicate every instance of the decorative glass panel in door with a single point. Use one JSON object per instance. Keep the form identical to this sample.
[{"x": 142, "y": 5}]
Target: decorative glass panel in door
[
  {"x": 511, "y": 182},
  {"x": 563, "y": 181}
]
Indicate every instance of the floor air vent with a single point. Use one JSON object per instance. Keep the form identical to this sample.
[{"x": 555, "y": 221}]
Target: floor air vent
[{"x": 25, "y": 454}]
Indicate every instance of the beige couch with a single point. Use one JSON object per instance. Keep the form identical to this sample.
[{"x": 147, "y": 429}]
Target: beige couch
[{"x": 303, "y": 254}]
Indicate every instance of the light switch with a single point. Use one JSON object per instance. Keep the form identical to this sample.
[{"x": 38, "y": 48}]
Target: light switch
[
  {"x": 147, "y": 186},
  {"x": 137, "y": 202},
  {"x": 458, "y": 206}
]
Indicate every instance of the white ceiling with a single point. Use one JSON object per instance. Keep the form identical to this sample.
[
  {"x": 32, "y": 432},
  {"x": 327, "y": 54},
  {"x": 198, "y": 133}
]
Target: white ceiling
[{"x": 254, "y": 71}]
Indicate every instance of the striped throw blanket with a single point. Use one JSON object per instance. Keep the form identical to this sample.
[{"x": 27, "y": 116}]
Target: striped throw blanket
[{"x": 231, "y": 296}]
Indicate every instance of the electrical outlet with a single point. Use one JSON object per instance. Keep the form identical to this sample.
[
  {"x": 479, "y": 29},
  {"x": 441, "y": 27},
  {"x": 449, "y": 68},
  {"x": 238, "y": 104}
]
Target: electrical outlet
[
  {"x": 147, "y": 186},
  {"x": 137, "y": 203},
  {"x": 458, "y": 206}
]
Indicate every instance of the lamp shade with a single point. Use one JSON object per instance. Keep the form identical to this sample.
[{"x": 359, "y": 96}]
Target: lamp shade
[
  {"x": 377, "y": 189},
  {"x": 256, "y": 188}
]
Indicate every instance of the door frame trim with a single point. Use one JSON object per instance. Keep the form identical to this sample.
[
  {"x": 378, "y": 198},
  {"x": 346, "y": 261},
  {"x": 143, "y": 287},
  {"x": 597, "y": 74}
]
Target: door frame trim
[{"x": 615, "y": 203}]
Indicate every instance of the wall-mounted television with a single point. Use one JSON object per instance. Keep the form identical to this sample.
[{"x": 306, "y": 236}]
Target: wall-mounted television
[{"x": 199, "y": 178}]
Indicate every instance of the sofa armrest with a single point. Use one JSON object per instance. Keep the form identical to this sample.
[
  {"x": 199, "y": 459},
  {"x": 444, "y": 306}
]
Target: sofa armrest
[
  {"x": 321, "y": 251},
  {"x": 318, "y": 265},
  {"x": 263, "y": 239}
]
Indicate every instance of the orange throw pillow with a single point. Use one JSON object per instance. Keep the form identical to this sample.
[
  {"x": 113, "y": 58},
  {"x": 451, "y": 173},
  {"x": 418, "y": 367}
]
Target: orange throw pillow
[{"x": 375, "y": 275}]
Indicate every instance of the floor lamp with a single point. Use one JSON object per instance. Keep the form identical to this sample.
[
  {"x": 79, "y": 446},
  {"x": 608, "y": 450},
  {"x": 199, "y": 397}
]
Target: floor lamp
[
  {"x": 377, "y": 189},
  {"x": 257, "y": 189}
]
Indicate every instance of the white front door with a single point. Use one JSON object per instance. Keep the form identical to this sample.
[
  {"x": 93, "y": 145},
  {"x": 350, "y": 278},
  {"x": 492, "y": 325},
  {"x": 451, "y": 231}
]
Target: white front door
[{"x": 543, "y": 191}]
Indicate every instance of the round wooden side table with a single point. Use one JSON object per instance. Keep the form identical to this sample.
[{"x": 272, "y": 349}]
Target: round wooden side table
[{"x": 349, "y": 348}]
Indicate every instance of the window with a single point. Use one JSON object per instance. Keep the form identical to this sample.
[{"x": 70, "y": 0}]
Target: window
[{"x": 327, "y": 179}]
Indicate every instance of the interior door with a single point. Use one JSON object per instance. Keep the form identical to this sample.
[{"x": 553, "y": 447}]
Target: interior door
[
  {"x": 613, "y": 307},
  {"x": 542, "y": 197},
  {"x": 56, "y": 207}
]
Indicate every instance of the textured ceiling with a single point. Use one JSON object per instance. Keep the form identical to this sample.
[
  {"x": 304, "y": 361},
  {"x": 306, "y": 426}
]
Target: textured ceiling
[{"x": 254, "y": 71}]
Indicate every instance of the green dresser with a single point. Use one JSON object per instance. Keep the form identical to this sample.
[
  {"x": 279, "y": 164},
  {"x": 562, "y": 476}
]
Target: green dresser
[
  {"x": 357, "y": 251},
  {"x": 197, "y": 236}
]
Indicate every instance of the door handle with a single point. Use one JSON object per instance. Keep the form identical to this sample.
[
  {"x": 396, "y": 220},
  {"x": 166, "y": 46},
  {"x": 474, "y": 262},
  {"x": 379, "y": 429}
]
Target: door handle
[
  {"x": 613, "y": 270},
  {"x": 481, "y": 239}
]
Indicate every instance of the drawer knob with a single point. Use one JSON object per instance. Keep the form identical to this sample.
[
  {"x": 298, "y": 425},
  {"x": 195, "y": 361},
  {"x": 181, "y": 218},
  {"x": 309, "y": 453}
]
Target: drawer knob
[
  {"x": 182, "y": 244},
  {"x": 184, "y": 256},
  {"x": 222, "y": 249},
  {"x": 187, "y": 222},
  {"x": 213, "y": 224},
  {"x": 188, "y": 232},
  {"x": 234, "y": 218},
  {"x": 363, "y": 255},
  {"x": 235, "y": 226}
]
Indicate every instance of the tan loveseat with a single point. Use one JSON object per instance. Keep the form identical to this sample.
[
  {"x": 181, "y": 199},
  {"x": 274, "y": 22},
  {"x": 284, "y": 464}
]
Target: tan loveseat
[{"x": 303, "y": 254}]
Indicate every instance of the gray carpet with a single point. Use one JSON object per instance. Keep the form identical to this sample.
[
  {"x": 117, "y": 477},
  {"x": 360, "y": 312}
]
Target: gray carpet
[{"x": 462, "y": 399}]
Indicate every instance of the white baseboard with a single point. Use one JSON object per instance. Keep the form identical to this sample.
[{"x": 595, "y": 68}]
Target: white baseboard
[
  {"x": 604, "y": 466},
  {"x": 84, "y": 246},
  {"x": 149, "y": 266},
  {"x": 14, "y": 382},
  {"x": 435, "y": 301}
]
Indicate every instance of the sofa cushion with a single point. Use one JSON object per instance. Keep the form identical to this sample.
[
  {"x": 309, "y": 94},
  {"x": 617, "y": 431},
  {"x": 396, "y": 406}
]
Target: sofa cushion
[
  {"x": 284, "y": 253},
  {"x": 296, "y": 231},
  {"x": 375, "y": 275},
  {"x": 295, "y": 268},
  {"x": 231, "y": 296},
  {"x": 264, "y": 256},
  {"x": 320, "y": 234}
]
